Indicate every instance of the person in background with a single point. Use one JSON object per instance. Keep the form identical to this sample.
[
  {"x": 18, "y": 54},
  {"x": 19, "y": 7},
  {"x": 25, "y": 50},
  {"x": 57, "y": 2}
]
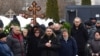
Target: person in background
[
  {"x": 91, "y": 30},
  {"x": 25, "y": 37},
  {"x": 51, "y": 25},
  {"x": 49, "y": 44},
  {"x": 34, "y": 28},
  {"x": 93, "y": 21},
  {"x": 94, "y": 45},
  {"x": 80, "y": 34},
  {"x": 32, "y": 24},
  {"x": 68, "y": 45},
  {"x": 57, "y": 30},
  {"x": 4, "y": 49},
  {"x": 1, "y": 26},
  {"x": 98, "y": 25},
  {"x": 43, "y": 27},
  {"x": 14, "y": 22},
  {"x": 61, "y": 23},
  {"x": 15, "y": 42},
  {"x": 32, "y": 42}
]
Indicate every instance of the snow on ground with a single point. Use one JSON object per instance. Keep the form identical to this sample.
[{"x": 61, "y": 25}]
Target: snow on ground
[
  {"x": 5, "y": 20},
  {"x": 24, "y": 22}
]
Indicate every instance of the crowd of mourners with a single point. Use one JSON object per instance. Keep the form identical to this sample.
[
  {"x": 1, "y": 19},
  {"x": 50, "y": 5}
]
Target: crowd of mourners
[{"x": 38, "y": 40}]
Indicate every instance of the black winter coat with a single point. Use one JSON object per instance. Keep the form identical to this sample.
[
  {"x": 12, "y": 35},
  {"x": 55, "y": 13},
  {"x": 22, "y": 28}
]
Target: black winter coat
[
  {"x": 81, "y": 36},
  {"x": 32, "y": 49},
  {"x": 49, "y": 51},
  {"x": 15, "y": 45},
  {"x": 58, "y": 33}
]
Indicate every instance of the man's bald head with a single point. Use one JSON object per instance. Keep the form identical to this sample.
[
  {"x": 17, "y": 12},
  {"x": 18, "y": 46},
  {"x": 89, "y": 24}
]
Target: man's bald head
[
  {"x": 57, "y": 26},
  {"x": 77, "y": 21}
]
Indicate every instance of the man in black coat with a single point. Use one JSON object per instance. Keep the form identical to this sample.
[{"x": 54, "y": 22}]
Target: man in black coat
[
  {"x": 80, "y": 34},
  {"x": 49, "y": 44},
  {"x": 57, "y": 30}
]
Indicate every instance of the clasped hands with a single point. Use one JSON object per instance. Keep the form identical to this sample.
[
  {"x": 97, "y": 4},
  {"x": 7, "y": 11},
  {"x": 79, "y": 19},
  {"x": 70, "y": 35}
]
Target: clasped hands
[{"x": 48, "y": 44}]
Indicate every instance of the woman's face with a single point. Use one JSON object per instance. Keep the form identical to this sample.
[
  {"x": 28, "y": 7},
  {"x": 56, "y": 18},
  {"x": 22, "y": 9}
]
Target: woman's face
[
  {"x": 49, "y": 32},
  {"x": 25, "y": 32},
  {"x": 65, "y": 34},
  {"x": 37, "y": 33},
  {"x": 97, "y": 35}
]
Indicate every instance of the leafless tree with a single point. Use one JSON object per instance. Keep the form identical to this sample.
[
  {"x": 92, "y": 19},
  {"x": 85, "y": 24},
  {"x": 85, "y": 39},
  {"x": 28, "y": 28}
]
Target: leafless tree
[{"x": 15, "y": 5}]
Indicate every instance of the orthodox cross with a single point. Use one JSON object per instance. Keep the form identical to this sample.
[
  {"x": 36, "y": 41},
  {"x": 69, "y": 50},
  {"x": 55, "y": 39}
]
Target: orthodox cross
[{"x": 34, "y": 9}]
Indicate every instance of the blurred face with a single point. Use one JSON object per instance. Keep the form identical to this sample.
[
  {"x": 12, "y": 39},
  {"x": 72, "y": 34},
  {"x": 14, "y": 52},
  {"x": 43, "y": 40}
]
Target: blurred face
[
  {"x": 16, "y": 30},
  {"x": 3, "y": 39},
  {"x": 33, "y": 21},
  {"x": 65, "y": 34},
  {"x": 25, "y": 32},
  {"x": 97, "y": 35},
  {"x": 94, "y": 21},
  {"x": 52, "y": 26},
  {"x": 77, "y": 22},
  {"x": 49, "y": 32},
  {"x": 97, "y": 24},
  {"x": 37, "y": 33},
  {"x": 57, "y": 26}
]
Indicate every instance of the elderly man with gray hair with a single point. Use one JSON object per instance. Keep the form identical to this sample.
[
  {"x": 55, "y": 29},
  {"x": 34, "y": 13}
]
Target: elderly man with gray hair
[
  {"x": 80, "y": 34},
  {"x": 15, "y": 41}
]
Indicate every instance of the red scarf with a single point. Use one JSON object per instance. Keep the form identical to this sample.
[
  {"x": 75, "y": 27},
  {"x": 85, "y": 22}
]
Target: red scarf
[{"x": 20, "y": 38}]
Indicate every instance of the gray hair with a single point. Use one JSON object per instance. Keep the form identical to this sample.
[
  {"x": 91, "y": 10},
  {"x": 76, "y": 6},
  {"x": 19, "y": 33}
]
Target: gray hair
[{"x": 64, "y": 30}]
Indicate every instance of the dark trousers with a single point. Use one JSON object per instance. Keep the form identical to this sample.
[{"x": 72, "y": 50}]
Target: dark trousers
[{"x": 81, "y": 53}]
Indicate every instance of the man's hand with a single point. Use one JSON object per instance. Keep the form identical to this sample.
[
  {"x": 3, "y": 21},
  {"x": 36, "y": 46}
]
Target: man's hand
[
  {"x": 48, "y": 44},
  {"x": 96, "y": 54}
]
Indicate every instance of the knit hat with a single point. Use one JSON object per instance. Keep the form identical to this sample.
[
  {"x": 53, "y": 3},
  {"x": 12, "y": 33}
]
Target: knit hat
[
  {"x": 88, "y": 23},
  {"x": 2, "y": 35},
  {"x": 50, "y": 23},
  {"x": 93, "y": 18}
]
